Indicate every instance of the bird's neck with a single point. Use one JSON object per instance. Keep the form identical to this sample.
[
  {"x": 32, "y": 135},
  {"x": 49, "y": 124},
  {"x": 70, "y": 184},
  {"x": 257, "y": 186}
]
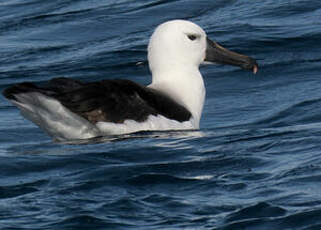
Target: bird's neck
[{"x": 186, "y": 87}]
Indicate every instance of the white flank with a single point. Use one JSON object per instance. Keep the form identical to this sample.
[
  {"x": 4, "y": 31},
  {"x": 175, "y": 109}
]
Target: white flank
[
  {"x": 152, "y": 123},
  {"x": 54, "y": 118}
]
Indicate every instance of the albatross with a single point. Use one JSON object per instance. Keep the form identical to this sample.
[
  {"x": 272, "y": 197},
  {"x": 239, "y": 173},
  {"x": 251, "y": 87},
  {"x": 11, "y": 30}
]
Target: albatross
[{"x": 69, "y": 109}]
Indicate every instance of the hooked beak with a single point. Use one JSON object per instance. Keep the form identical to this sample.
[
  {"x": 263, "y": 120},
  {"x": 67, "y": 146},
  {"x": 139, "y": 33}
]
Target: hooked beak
[{"x": 218, "y": 54}]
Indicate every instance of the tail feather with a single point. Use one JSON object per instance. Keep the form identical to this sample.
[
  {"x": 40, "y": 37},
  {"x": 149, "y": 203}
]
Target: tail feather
[
  {"x": 39, "y": 104},
  {"x": 54, "y": 87},
  {"x": 26, "y": 87}
]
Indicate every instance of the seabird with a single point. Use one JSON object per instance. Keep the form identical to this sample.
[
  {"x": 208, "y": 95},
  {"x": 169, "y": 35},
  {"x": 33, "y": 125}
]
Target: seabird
[{"x": 69, "y": 109}]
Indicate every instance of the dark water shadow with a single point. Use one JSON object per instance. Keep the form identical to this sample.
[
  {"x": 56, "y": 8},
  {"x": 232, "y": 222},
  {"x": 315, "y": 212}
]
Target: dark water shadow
[{"x": 137, "y": 135}]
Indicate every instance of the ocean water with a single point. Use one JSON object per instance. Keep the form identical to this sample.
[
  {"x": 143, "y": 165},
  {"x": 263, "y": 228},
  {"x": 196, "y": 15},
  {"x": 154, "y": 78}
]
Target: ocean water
[{"x": 255, "y": 163}]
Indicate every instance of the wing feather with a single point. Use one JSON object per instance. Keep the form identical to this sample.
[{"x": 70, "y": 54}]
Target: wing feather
[{"x": 108, "y": 100}]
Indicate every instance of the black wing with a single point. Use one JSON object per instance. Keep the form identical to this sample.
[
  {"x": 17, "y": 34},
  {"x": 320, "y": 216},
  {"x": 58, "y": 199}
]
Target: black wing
[{"x": 108, "y": 100}]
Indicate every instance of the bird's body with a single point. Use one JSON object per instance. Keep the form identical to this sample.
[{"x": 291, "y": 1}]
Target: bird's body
[{"x": 69, "y": 109}]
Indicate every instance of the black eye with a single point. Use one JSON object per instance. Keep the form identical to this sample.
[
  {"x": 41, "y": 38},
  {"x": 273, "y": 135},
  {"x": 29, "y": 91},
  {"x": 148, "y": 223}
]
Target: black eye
[{"x": 192, "y": 37}]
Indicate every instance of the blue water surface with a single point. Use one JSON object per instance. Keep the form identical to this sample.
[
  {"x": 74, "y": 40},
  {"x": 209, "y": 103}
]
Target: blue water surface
[{"x": 255, "y": 163}]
